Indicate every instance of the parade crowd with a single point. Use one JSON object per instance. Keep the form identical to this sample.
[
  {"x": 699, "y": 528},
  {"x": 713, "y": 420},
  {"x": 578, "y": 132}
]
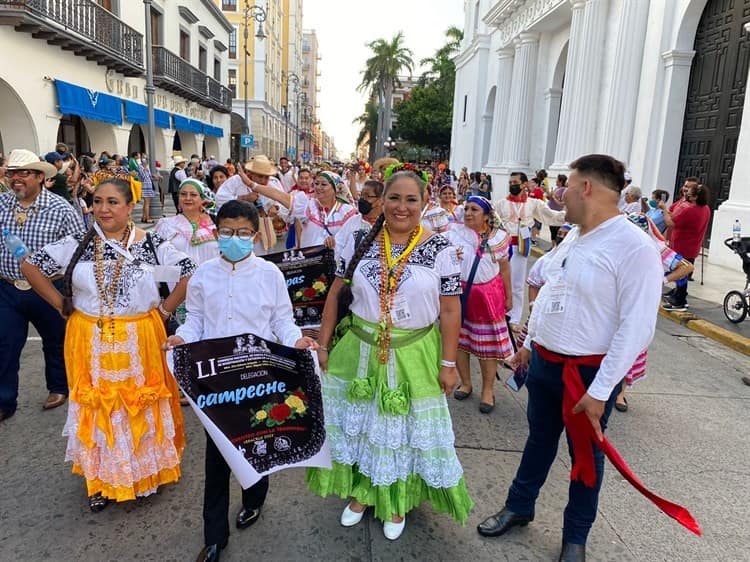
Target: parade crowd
[{"x": 431, "y": 270}]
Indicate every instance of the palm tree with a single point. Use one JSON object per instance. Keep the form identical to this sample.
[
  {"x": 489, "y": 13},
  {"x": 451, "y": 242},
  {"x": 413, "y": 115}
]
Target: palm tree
[
  {"x": 369, "y": 123},
  {"x": 388, "y": 59},
  {"x": 442, "y": 60}
]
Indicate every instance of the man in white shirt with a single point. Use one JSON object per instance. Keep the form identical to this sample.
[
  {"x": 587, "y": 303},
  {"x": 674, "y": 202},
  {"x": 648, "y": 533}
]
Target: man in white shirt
[
  {"x": 287, "y": 177},
  {"x": 518, "y": 212},
  {"x": 594, "y": 315}
]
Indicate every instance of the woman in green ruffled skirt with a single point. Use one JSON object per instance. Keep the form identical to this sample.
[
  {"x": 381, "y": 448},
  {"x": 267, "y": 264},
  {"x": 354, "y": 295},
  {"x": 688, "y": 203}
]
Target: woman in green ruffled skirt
[{"x": 386, "y": 380}]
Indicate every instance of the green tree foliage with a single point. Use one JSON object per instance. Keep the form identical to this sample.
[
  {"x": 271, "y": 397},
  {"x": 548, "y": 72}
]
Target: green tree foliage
[{"x": 425, "y": 117}]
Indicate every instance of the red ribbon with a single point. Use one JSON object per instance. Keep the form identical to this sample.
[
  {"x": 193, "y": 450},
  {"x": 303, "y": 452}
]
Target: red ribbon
[{"x": 583, "y": 436}]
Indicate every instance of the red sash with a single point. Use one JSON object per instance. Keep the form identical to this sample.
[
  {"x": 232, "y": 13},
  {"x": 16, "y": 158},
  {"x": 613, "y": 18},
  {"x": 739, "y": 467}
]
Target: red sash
[{"x": 582, "y": 436}]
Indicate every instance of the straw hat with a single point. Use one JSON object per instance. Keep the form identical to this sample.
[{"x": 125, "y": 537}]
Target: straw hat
[
  {"x": 178, "y": 160},
  {"x": 22, "y": 159},
  {"x": 261, "y": 166}
]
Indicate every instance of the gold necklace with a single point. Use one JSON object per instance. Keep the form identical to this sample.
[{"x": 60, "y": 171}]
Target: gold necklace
[{"x": 107, "y": 293}]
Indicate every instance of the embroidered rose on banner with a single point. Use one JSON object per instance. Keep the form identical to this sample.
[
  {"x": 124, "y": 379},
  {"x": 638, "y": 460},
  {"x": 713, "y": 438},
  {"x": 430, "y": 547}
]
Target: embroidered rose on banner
[{"x": 274, "y": 414}]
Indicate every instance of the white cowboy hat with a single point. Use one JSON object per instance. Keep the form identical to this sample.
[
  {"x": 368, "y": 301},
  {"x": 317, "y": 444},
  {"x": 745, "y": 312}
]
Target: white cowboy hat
[
  {"x": 22, "y": 159},
  {"x": 178, "y": 160},
  {"x": 261, "y": 166}
]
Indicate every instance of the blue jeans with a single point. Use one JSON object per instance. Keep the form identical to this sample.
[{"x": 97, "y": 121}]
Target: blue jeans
[
  {"x": 17, "y": 309},
  {"x": 544, "y": 413}
]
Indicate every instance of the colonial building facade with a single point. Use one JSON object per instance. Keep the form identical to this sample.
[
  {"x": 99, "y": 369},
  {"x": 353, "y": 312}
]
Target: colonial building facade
[
  {"x": 74, "y": 72},
  {"x": 660, "y": 85}
]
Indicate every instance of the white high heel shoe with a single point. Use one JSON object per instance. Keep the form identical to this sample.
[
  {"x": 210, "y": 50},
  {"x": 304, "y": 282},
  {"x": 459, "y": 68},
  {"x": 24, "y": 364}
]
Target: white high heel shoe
[
  {"x": 350, "y": 518},
  {"x": 392, "y": 530}
]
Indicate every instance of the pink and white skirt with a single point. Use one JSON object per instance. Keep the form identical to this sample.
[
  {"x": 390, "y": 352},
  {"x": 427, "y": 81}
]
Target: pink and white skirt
[{"x": 484, "y": 332}]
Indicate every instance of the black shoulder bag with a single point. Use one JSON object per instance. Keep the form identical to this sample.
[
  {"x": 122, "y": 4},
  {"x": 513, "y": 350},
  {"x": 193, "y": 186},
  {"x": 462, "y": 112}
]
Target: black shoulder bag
[{"x": 171, "y": 323}]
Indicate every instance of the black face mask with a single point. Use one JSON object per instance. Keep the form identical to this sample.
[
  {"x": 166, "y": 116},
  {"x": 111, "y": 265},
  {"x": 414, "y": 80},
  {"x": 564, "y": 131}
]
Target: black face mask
[
  {"x": 364, "y": 206},
  {"x": 514, "y": 189}
]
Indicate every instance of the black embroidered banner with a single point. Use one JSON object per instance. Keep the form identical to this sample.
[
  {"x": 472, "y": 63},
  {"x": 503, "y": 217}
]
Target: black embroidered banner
[
  {"x": 309, "y": 273},
  {"x": 265, "y": 398}
]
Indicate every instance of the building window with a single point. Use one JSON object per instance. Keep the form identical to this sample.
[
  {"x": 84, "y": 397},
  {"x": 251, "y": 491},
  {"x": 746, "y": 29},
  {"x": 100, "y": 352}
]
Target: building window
[
  {"x": 229, "y": 5},
  {"x": 233, "y": 44},
  {"x": 466, "y": 102},
  {"x": 202, "y": 59},
  {"x": 156, "y": 31},
  {"x": 217, "y": 69},
  {"x": 185, "y": 45},
  {"x": 232, "y": 81}
]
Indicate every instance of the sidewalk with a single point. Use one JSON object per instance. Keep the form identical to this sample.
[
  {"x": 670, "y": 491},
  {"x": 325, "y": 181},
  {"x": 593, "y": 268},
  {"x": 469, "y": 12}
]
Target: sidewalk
[{"x": 705, "y": 298}]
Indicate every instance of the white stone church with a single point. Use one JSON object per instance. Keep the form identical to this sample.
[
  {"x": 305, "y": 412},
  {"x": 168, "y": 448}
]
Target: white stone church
[{"x": 659, "y": 84}]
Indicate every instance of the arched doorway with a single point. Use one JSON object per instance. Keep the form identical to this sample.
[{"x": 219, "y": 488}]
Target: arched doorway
[
  {"x": 15, "y": 122},
  {"x": 177, "y": 143},
  {"x": 716, "y": 93},
  {"x": 72, "y": 131},
  {"x": 487, "y": 122},
  {"x": 553, "y": 96},
  {"x": 136, "y": 141}
]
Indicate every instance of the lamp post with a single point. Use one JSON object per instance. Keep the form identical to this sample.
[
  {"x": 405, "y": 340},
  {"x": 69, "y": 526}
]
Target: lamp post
[
  {"x": 287, "y": 76},
  {"x": 390, "y": 144},
  {"x": 258, "y": 14},
  {"x": 150, "y": 90}
]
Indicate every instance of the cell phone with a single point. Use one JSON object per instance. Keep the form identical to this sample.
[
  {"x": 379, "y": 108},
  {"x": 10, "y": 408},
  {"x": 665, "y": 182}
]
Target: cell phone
[
  {"x": 663, "y": 197},
  {"x": 517, "y": 379}
]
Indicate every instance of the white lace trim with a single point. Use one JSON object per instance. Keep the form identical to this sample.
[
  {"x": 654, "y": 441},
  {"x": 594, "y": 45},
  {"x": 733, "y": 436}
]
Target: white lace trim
[
  {"x": 387, "y": 448},
  {"x": 102, "y": 348},
  {"x": 120, "y": 465}
]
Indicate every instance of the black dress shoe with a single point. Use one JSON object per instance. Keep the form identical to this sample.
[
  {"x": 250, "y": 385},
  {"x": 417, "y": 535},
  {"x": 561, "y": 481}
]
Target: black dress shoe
[
  {"x": 247, "y": 517},
  {"x": 573, "y": 553},
  {"x": 211, "y": 552},
  {"x": 501, "y": 522},
  {"x": 6, "y": 415}
]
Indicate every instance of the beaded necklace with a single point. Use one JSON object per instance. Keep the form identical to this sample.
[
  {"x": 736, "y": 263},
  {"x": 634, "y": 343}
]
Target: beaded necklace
[
  {"x": 108, "y": 292},
  {"x": 391, "y": 271}
]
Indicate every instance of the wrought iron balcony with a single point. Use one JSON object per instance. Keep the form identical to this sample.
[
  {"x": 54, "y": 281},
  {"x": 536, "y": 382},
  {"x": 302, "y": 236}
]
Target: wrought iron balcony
[
  {"x": 177, "y": 75},
  {"x": 80, "y": 26}
]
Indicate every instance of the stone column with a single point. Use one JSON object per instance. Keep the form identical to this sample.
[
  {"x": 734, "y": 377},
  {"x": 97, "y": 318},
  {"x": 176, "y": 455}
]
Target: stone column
[
  {"x": 619, "y": 119},
  {"x": 574, "y": 68},
  {"x": 552, "y": 99},
  {"x": 738, "y": 204},
  {"x": 517, "y": 139},
  {"x": 504, "y": 81}
]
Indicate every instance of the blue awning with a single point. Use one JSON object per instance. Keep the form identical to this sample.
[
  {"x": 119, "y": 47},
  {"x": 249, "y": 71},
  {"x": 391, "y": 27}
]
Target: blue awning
[
  {"x": 75, "y": 100},
  {"x": 138, "y": 113},
  {"x": 162, "y": 119},
  {"x": 213, "y": 131},
  {"x": 184, "y": 124}
]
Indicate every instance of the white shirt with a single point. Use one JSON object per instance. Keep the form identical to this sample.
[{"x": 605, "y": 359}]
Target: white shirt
[
  {"x": 511, "y": 213},
  {"x": 288, "y": 181},
  {"x": 180, "y": 175},
  {"x": 248, "y": 297},
  {"x": 357, "y": 222},
  {"x": 432, "y": 271},
  {"x": 468, "y": 240},
  {"x": 608, "y": 284},
  {"x": 634, "y": 207},
  {"x": 317, "y": 224},
  {"x": 234, "y": 187}
]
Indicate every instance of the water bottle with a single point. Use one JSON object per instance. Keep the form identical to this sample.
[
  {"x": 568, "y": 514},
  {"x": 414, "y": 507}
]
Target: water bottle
[
  {"x": 15, "y": 245},
  {"x": 736, "y": 231}
]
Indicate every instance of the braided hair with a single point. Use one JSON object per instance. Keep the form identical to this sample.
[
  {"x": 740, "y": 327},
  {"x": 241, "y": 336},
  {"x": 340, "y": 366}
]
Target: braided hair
[{"x": 67, "y": 309}]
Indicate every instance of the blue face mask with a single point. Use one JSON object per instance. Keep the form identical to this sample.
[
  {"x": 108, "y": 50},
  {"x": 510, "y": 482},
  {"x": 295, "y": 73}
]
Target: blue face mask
[
  {"x": 653, "y": 204},
  {"x": 235, "y": 249}
]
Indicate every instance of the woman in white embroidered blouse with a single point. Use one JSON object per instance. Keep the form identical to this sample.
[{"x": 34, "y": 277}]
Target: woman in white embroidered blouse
[
  {"x": 322, "y": 216},
  {"x": 387, "y": 417},
  {"x": 124, "y": 426}
]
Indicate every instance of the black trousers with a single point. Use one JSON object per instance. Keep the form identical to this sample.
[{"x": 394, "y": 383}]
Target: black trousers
[
  {"x": 176, "y": 200},
  {"x": 216, "y": 496}
]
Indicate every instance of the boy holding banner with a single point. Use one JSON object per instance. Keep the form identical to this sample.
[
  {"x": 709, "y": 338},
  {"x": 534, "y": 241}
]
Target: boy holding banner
[{"x": 220, "y": 303}]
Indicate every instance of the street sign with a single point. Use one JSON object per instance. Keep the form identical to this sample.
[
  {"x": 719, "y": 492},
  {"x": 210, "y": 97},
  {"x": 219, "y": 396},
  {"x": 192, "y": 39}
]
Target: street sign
[
  {"x": 246, "y": 141},
  {"x": 292, "y": 152}
]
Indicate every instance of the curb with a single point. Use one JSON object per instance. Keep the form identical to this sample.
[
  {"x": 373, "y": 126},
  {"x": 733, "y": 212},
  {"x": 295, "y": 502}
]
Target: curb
[{"x": 692, "y": 322}]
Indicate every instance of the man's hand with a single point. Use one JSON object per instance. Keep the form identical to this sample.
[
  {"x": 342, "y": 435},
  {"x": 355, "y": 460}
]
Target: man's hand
[
  {"x": 329, "y": 242},
  {"x": 250, "y": 197},
  {"x": 171, "y": 342},
  {"x": 306, "y": 343},
  {"x": 520, "y": 357},
  {"x": 594, "y": 410}
]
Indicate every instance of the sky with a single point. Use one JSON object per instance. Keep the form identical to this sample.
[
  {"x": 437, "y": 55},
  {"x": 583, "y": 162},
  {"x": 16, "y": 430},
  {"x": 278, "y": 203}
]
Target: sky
[{"x": 344, "y": 27}]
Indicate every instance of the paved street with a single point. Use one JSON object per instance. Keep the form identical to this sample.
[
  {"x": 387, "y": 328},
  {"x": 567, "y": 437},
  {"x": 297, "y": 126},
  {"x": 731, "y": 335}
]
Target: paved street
[{"x": 685, "y": 435}]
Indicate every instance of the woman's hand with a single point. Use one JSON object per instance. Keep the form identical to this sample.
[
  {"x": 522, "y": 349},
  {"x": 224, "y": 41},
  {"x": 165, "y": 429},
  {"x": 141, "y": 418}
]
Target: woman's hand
[
  {"x": 306, "y": 343},
  {"x": 330, "y": 242},
  {"x": 171, "y": 342},
  {"x": 448, "y": 379},
  {"x": 323, "y": 358}
]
